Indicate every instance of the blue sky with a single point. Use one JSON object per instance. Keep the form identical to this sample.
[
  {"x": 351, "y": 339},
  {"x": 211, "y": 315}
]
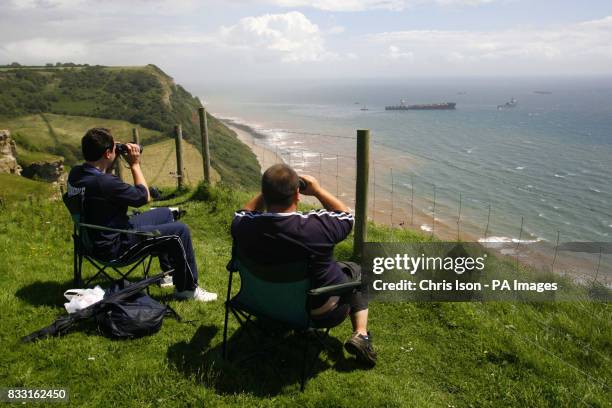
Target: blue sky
[{"x": 255, "y": 39}]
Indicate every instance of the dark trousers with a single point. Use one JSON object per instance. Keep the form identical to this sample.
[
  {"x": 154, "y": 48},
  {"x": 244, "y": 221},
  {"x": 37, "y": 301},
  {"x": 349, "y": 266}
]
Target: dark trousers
[
  {"x": 349, "y": 303},
  {"x": 173, "y": 246}
]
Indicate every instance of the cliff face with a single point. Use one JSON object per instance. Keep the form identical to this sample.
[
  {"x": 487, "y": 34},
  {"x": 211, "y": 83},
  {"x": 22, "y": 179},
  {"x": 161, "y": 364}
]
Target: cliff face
[
  {"x": 8, "y": 154},
  {"x": 49, "y": 171}
]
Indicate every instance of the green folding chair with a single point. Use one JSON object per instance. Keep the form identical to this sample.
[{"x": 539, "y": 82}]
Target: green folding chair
[
  {"x": 83, "y": 248},
  {"x": 281, "y": 293}
]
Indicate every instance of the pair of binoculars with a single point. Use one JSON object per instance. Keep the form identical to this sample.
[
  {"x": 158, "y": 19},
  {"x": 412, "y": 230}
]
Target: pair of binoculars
[
  {"x": 121, "y": 148},
  {"x": 303, "y": 184}
]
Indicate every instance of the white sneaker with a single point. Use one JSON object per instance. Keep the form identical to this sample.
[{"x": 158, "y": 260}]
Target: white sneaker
[
  {"x": 166, "y": 282},
  {"x": 198, "y": 294}
]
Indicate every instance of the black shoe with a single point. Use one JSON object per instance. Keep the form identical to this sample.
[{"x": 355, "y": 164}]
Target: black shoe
[{"x": 361, "y": 347}]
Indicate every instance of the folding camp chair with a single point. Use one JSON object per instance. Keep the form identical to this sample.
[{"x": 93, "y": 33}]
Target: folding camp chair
[
  {"x": 281, "y": 293},
  {"x": 83, "y": 247}
]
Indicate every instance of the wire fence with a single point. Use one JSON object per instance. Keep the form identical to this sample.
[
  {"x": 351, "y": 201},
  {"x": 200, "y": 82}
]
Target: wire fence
[{"x": 402, "y": 199}]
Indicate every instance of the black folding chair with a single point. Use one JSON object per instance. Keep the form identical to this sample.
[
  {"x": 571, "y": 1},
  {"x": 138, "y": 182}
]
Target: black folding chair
[
  {"x": 83, "y": 247},
  {"x": 281, "y": 293}
]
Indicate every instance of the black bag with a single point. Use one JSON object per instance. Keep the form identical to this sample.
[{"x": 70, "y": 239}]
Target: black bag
[{"x": 136, "y": 316}]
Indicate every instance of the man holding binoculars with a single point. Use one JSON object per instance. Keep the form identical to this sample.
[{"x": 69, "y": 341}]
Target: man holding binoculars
[
  {"x": 106, "y": 203},
  {"x": 269, "y": 229}
]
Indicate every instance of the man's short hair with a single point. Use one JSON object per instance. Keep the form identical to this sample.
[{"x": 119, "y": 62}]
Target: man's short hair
[
  {"x": 279, "y": 184},
  {"x": 95, "y": 142}
]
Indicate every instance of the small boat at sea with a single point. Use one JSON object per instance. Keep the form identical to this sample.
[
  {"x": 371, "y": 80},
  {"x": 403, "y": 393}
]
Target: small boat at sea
[
  {"x": 363, "y": 108},
  {"x": 428, "y": 106},
  {"x": 508, "y": 105}
]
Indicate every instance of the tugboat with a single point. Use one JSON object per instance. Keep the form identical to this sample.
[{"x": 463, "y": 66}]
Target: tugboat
[
  {"x": 508, "y": 105},
  {"x": 431, "y": 106}
]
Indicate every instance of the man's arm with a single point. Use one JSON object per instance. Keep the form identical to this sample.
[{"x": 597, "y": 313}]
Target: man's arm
[
  {"x": 133, "y": 158},
  {"x": 328, "y": 201},
  {"x": 255, "y": 204}
]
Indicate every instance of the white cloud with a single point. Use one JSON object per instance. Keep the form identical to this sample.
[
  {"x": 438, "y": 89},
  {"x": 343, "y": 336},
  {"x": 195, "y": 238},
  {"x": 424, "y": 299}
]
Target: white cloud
[
  {"x": 556, "y": 48},
  {"x": 53, "y": 50},
  {"x": 336, "y": 30},
  {"x": 291, "y": 36},
  {"x": 153, "y": 39},
  {"x": 163, "y": 7},
  {"x": 31, "y": 4},
  {"x": 395, "y": 53},
  {"x": 363, "y": 5}
]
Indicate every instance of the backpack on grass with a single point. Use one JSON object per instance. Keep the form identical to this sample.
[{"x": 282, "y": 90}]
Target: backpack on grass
[{"x": 136, "y": 316}]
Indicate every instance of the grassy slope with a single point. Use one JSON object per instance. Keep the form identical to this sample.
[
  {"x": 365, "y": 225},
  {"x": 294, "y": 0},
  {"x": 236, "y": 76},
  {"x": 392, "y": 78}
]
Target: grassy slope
[
  {"x": 159, "y": 164},
  {"x": 15, "y": 188},
  {"x": 140, "y": 95},
  {"x": 447, "y": 354},
  {"x": 61, "y": 134}
]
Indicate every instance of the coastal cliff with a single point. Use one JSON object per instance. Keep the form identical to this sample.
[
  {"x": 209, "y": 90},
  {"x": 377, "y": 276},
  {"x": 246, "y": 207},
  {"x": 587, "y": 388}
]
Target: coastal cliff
[{"x": 144, "y": 96}]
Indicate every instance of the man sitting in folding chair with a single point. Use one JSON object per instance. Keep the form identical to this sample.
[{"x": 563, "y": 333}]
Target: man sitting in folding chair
[
  {"x": 106, "y": 200},
  {"x": 316, "y": 232}
]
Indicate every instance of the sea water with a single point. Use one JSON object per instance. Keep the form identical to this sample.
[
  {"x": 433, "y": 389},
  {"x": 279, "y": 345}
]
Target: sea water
[{"x": 545, "y": 164}]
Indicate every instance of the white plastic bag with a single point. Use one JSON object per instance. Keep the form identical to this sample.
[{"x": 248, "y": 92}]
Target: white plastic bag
[{"x": 81, "y": 298}]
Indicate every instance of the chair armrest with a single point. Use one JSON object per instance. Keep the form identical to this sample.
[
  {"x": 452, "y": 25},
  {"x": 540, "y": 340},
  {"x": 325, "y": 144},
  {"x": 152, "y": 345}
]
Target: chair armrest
[
  {"x": 101, "y": 228},
  {"x": 338, "y": 289}
]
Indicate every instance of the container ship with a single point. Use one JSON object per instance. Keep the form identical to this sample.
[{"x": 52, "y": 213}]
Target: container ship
[{"x": 429, "y": 106}]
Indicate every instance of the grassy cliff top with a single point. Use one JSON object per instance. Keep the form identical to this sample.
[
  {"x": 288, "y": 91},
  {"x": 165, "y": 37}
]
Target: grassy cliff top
[
  {"x": 145, "y": 97},
  {"x": 489, "y": 354}
]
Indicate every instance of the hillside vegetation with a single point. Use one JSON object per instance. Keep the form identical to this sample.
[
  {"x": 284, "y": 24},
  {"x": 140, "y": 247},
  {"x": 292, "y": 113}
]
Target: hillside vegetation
[
  {"x": 143, "y": 96},
  {"x": 61, "y": 134}
]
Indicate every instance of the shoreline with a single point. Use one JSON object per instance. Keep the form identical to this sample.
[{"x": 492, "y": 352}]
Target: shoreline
[
  {"x": 335, "y": 174},
  {"x": 265, "y": 156}
]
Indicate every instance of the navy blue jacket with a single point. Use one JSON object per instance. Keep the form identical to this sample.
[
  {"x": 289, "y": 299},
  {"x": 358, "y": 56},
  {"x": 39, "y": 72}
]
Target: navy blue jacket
[
  {"x": 107, "y": 199},
  {"x": 318, "y": 231}
]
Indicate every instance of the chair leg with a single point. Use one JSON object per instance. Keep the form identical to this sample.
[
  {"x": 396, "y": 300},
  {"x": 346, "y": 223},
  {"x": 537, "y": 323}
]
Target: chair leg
[
  {"x": 227, "y": 306},
  {"x": 79, "y": 271},
  {"x": 304, "y": 360},
  {"x": 146, "y": 271},
  {"x": 148, "y": 268},
  {"x": 75, "y": 271}
]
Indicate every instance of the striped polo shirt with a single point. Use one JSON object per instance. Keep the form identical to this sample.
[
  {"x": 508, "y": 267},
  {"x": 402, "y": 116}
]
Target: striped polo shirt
[{"x": 317, "y": 232}]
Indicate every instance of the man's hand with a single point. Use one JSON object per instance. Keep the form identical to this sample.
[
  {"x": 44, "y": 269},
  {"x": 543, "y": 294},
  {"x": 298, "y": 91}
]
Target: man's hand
[
  {"x": 313, "y": 188},
  {"x": 133, "y": 153},
  {"x": 312, "y": 185},
  {"x": 133, "y": 158}
]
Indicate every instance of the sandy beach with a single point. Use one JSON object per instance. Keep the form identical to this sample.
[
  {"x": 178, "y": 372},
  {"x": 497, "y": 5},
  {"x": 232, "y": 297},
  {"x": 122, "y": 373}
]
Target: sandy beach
[{"x": 265, "y": 155}]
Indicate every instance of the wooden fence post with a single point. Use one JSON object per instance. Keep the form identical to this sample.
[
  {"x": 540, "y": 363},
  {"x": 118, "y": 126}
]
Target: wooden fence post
[
  {"x": 205, "y": 148},
  {"x": 117, "y": 168},
  {"x": 178, "y": 138},
  {"x": 361, "y": 191},
  {"x": 135, "y": 136}
]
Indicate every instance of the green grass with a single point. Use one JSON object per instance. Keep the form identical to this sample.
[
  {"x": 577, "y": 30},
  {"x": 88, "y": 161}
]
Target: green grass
[
  {"x": 44, "y": 132},
  {"x": 159, "y": 164},
  {"x": 142, "y": 95},
  {"x": 430, "y": 354},
  {"x": 15, "y": 189}
]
